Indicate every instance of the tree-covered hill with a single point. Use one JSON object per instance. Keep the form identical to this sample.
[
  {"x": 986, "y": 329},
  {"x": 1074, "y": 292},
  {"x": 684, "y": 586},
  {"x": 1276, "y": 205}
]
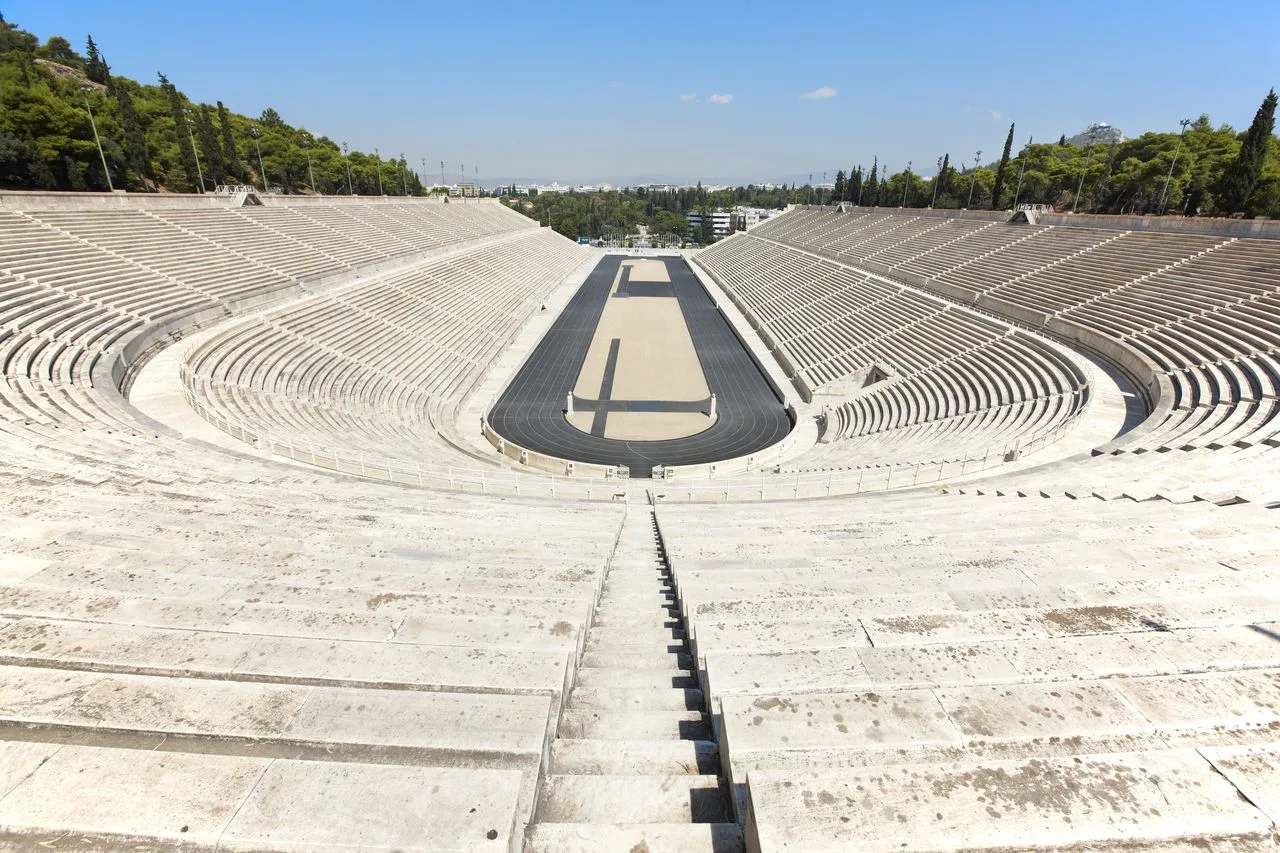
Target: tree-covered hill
[{"x": 153, "y": 137}]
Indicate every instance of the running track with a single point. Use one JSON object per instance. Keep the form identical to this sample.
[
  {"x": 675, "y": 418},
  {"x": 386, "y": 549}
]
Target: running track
[{"x": 530, "y": 412}]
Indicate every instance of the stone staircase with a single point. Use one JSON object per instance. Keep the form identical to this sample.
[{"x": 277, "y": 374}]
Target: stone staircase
[{"x": 634, "y": 764}]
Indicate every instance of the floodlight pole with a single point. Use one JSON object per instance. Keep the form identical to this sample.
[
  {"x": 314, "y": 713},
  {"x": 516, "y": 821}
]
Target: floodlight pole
[
  {"x": 977, "y": 159},
  {"x": 936, "y": 181},
  {"x": 253, "y": 130},
  {"x": 1021, "y": 166},
  {"x": 347, "y": 159},
  {"x": 1093, "y": 134},
  {"x": 906, "y": 181},
  {"x": 96, "y": 140},
  {"x": 191, "y": 135},
  {"x": 378, "y": 158},
  {"x": 1177, "y": 148},
  {"x": 306, "y": 144},
  {"x": 404, "y": 176}
]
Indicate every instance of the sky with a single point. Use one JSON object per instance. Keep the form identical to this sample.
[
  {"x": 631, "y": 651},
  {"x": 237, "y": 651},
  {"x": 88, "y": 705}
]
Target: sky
[{"x": 718, "y": 92}]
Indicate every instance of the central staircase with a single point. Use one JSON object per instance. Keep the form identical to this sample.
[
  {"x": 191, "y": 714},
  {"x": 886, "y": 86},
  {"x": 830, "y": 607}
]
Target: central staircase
[{"x": 634, "y": 763}]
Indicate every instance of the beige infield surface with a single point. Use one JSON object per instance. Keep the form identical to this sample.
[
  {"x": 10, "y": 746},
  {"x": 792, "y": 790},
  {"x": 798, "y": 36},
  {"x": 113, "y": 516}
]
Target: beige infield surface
[{"x": 656, "y": 361}]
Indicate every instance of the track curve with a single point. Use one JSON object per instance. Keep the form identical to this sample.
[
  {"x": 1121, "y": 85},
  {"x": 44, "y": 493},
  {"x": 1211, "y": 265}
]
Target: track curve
[{"x": 530, "y": 412}]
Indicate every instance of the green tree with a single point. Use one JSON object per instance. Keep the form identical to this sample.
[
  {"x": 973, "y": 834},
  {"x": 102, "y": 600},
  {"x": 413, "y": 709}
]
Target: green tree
[
  {"x": 57, "y": 49},
  {"x": 1241, "y": 177},
  {"x": 95, "y": 67},
  {"x": 135, "y": 142},
  {"x": 181, "y": 134},
  {"x": 998, "y": 185},
  {"x": 215, "y": 169},
  {"x": 230, "y": 155},
  {"x": 838, "y": 191}
]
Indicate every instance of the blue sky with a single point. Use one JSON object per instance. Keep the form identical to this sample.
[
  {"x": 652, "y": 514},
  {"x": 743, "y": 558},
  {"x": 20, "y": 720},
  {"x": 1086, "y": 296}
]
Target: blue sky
[{"x": 598, "y": 91}]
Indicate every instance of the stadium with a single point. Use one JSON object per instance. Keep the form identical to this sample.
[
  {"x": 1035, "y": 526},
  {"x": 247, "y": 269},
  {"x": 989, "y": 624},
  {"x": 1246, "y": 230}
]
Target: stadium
[{"x": 396, "y": 523}]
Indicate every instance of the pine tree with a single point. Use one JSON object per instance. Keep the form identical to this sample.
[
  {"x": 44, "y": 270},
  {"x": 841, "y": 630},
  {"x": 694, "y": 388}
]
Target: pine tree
[
  {"x": 1004, "y": 164},
  {"x": 95, "y": 66},
  {"x": 1240, "y": 178},
  {"x": 230, "y": 156},
  {"x": 1062, "y": 140},
  {"x": 181, "y": 133}
]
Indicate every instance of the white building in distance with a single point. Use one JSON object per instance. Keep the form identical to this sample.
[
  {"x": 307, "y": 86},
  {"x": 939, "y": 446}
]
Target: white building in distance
[{"x": 1098, "y": 133}]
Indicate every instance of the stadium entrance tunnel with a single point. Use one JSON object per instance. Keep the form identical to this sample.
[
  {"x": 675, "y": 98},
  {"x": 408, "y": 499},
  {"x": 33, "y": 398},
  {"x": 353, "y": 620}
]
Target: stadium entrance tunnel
[{"x": 641, "y": 370}]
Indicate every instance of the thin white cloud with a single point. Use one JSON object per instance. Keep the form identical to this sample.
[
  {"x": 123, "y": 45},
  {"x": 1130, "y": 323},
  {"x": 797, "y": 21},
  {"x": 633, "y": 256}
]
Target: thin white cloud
[
  {"x": 615, "y": 84},
  {"x": 720, "y": 99},
  {"x": 996, "y": 115},
  {"x": 819, "y": 94},
  {"x": 689, "y": 96}
]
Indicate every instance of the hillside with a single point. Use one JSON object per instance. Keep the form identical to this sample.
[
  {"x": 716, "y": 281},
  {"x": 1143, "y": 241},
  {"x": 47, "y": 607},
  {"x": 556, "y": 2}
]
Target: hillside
[{"x": 47, "y": 139}]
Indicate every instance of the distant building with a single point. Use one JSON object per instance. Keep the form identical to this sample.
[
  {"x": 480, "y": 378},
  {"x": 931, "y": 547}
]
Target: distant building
[
  {"x": 725, "y": 222},
  {"x": 721, "y": 223},
  {"x": 1098, "y": 133}
]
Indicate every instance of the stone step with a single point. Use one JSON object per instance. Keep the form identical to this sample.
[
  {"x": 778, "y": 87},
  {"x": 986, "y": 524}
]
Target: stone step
[
  {"x": 637, "y": 678},
  {"x": 634, "y": 757},
  {"x": 628, "y": 618},
  {"x": 630, "y": 838},
  {"x": 632, "y": 799},
  {"x": 627, "y": 724},
  {"x": 658, "y": 660},
  {"x": 635, "y": 698},
  {"x": 629, "y": 643},
  {"x": 631, "y": 639}
]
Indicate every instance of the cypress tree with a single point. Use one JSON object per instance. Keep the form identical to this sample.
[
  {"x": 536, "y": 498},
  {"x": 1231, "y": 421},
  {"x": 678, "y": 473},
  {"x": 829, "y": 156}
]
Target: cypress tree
[
  {"x": 944, "y": 176},
  {"x": 136, "y": 156},
  {"x": 1242, "y": 176},
  {"x": 230, "y": 156},
  {"x": 838, "y": 191},
  {"x": 870, "y": 188},
  {"x": 181, "y": 133},
  {"x": 1004, "y": 163},
  {"x": 95, "y": 67},
  {"x": 215, "y": 169}
]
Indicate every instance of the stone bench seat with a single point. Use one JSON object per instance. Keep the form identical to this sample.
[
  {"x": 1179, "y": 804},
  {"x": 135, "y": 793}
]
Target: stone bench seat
[{"x": 387, "y": 807}]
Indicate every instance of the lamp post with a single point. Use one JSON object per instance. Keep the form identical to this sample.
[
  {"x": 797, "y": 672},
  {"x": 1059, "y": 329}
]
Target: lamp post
[
  {"x": 347, "y": 159},
  {"x": 423, "y": 178},
  {"x": 936, "y": 181},
  {"x": 253, "y": 129},
  {"x": 1177, "y": 148},
  {"x": 1021, "y": 164},
  {"x": 306, "y": 146},
  {"x": 973, "y": 179},
  {"x": 97, "y": 141},
  {"x": 906, "y": 182},
  {"x": 378, "y": 159},
  {"x": 404, "y": 176},
  {"x": 1093, "y": 135},
  {"x": 191, "y": 135}
]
